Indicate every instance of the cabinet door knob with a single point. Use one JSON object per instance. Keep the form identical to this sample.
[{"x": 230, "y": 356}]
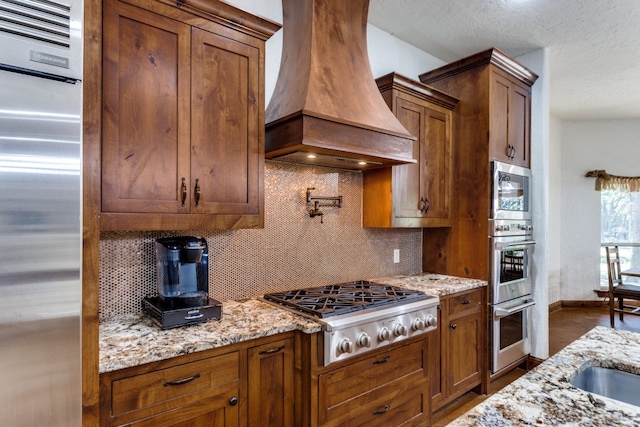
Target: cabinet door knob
[
  {"x": 453, "y": 326},
  {"x": 233, "y": 401},
  {"x": 197, "y": 192}
]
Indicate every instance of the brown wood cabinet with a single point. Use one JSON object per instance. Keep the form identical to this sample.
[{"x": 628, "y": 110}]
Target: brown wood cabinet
[
  {"x": 414, "y": 195},
  {"x": 245, "y": 384},
  {"x": 271, "y": 384},
  {"x": 461, "y": 344},
  {"x": 492, "y": 122},
  {"x": 387, "y": 387},
  {"x": 495, "y": 94},
  {"x": 174, "y": 392},
  {"x": 183, "y": 117}
]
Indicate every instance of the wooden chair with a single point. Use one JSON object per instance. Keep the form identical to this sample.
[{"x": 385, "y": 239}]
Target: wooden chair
[{"x": 618, "y": 290}]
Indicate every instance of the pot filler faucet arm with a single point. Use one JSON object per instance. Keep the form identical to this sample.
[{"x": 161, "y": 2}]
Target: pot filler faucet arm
[{"x": 321, "y": 201}]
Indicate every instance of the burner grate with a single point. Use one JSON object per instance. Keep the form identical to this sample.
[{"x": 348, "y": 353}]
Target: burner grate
[{"x": 343, "y": 298}]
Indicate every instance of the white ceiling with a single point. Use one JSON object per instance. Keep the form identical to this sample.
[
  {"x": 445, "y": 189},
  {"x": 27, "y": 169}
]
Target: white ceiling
[{"x": 593, "y": 45}]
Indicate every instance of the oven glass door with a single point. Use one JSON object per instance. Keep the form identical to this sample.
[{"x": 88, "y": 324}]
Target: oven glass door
[
  {"x": 510, "y": 332},
  {"x": 511, "y": 192},
  {"x": 511, "y": 269}
]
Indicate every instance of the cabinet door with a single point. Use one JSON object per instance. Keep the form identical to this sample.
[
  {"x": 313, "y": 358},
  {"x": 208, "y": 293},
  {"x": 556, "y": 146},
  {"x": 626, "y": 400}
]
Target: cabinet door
[
  {"x": 519, "y": 123},
  {"x": 499, "y": 118},
  {"x": 509, "y": 134},
  {"x": 145, "y": 152},
  {"x": 225, "y": 137},
  {"x": 271, "y": 394},
  {"x": 436, "y": 165},
  {"x": 407, "y": 179},
  {"x": 464, "y": 353}
]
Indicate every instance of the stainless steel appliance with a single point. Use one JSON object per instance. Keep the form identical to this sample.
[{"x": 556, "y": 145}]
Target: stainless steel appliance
[
  {"x": 182, "y": 264},
  {"x": 511, "y": 251},
  {"x": 361, "y": 316},
  {"x": 511, "y": 192},
  {"x": 40, "y": 193}
]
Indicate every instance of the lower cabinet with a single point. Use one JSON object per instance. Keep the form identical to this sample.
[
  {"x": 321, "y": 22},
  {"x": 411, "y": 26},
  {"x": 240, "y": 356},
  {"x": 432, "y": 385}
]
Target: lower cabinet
[
  {"x": 461, "y": 342},
  {"x": 271, "y": 384},
  {"x": 222, "y": 387},
  {"x": 390, "y": 388}
]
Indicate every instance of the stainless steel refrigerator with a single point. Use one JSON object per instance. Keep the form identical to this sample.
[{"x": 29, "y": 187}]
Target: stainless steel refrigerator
[{"x": 40, "y": 204}]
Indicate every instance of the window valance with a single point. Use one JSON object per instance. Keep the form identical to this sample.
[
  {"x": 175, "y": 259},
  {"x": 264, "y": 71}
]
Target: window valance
[{"x": 605, "y": 181}]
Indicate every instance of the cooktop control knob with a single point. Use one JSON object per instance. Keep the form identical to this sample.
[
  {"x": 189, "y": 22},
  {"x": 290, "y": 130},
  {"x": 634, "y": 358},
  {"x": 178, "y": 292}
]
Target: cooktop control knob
[
  {"x": 400, "y": 330},
  {"x": 431, "y": 320},
  {"x": 499, "y": 228},
  {"x": 418, "y": 324},
  {"x": 345, "y": 346},
  {"x": 364, "y": 340},
  {"x": 384, "y": 334}
]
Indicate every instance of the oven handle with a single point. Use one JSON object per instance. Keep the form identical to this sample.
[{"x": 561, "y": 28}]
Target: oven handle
[
  {"x": 502, "y": 245},
  {"x": 504, "y": 312}
]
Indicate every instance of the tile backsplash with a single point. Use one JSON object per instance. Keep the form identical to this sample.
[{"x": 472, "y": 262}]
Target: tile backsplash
[{"x": 292, "y": 251}]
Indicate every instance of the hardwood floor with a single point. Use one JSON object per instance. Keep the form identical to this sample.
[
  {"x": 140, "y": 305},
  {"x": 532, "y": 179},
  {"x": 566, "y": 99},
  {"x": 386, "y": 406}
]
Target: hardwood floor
[{"x": 565, "y": 326}]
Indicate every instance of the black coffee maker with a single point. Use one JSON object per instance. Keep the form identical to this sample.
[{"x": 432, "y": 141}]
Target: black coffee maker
[{"x": 182, "y": 264}]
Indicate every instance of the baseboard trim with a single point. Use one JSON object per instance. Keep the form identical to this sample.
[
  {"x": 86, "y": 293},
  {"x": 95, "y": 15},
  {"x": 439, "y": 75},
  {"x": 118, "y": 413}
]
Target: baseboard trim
[
  {"x": 532, "y": 362},
  {"x": 586, "y": 304},
  {"x": 556, "y": 306}
]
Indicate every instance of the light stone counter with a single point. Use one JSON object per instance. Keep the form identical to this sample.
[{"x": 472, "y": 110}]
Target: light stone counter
[
  {"x": 134, "y": 339},
  {"x": 432, "y": 284},
  {"x": 544, "y": 396}
]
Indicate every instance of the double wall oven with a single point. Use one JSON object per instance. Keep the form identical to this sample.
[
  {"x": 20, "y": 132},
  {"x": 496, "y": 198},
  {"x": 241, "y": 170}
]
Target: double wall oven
[{"x": 511, "y": 250}]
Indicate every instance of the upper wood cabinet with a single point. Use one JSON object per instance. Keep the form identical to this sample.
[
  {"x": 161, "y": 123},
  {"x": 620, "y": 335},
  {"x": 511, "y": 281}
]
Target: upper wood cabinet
[
  {"x": 414, "y": 195},
  {"x": 510, "y": 127},
  {"x": 497, "y": 91},
  {"x": 183, "y": 116}
]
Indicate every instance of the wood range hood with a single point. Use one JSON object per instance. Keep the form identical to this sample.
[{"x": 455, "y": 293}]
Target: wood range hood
[{"x": 326, "y": 102}]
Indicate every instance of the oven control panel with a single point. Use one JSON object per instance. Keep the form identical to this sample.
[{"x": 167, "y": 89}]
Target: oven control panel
[{"x": 358, "y": 336}]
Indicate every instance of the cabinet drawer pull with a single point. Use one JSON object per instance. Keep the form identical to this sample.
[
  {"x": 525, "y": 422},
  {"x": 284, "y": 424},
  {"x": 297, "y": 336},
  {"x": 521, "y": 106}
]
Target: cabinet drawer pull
[
  {"x": 273, "y": 350},
  {"x": 380, "y": 362},
  {"x": 183, "y": 190},
  {"x": 382, "y": 411},
  {"x": 182, "y": 381},
  {"x": 197, "y": 192},
  {"x": 466, "y": 302}
]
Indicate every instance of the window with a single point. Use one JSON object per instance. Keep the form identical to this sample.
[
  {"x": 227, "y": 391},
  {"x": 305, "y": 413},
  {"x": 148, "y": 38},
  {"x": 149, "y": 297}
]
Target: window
[{"x": 620, "y": 225}]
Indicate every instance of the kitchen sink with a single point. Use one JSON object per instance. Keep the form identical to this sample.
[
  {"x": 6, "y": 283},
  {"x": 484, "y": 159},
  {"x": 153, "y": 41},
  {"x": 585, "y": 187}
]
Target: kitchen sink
[{"x": 611, "y": 383}]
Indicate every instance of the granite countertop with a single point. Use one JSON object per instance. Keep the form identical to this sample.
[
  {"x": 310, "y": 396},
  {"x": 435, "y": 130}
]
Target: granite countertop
[
  {"x": 134, "y": 339},
  {"x": 544, "y": 395}
]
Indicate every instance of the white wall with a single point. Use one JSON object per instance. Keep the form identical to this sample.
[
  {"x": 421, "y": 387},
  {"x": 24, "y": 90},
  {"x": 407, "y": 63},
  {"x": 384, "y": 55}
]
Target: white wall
[
  {"x": 538, "y": 62},
  {"x": 613, "y": 145},
  {"x": 554, "y": 263}
]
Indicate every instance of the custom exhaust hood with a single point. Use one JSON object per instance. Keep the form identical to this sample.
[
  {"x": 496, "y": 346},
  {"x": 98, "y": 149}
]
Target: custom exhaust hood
[{"x": 326, "y": 108}]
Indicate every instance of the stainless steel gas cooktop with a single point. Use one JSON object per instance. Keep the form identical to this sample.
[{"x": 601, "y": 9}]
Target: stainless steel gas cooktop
[{"x": 361, "y": 316}]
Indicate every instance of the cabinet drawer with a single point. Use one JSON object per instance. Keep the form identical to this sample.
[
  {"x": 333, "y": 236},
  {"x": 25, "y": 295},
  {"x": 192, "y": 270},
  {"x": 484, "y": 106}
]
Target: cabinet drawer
[
  {"x": 395, "y": 404},
  {"x": 469, "y": 302},
  {"x": 170, "y": 387},
  {"x": 358, "y": 378}
]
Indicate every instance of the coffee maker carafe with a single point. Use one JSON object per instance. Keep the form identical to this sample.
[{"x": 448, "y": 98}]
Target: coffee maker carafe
[{"x": 182, "y": 264}]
